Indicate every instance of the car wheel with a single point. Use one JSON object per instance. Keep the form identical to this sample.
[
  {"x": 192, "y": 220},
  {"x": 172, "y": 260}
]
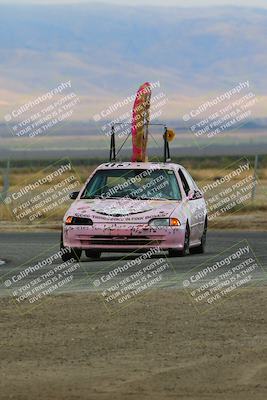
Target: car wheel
[
  {"x": 182, "y": 253},
  {"x": 201, "y": 248},
  {"x": 93, "y": 253},
  {"x": 70, "y": 253}
]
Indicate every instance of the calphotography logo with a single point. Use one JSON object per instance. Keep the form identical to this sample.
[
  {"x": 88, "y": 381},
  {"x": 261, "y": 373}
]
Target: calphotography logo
[
  {"x": 38, "y": 116},
  {"x": 224, "y": 113},
  {"x": 31, "y": 283},
  {"x": 118, "y": 116},
  {"x": 221, "y": 277},
  {"x": 231, "y": 191},
  {"x": 47, "y": 192},
  {"x": 121, "y": 286}
]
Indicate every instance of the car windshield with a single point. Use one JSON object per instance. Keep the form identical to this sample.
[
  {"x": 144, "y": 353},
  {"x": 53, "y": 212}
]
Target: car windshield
[{"x": 150, "y": 184}]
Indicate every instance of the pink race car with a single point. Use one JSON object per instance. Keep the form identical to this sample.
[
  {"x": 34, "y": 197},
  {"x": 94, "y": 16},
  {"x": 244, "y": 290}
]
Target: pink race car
[{"x": 132, "y": 206}]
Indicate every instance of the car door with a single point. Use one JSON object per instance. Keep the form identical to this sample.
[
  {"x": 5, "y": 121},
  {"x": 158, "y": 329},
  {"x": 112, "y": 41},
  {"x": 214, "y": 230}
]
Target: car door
[{"x": 195, "y": 204}]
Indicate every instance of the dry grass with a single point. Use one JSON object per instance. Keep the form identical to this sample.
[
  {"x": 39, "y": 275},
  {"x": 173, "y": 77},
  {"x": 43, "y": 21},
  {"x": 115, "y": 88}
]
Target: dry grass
[{"x": 19, "y": 177}]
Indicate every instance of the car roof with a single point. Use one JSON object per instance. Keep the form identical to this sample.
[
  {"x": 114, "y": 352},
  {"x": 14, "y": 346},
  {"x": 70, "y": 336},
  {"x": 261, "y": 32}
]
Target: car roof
[{"x": 139, "y": 165}]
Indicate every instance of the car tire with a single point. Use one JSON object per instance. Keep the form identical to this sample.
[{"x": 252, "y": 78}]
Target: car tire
[
  {"x": 70, "y": 253},
  {"x": 93, "y": 254},
  {"x": 201, "y": 248},
  {"x": 182, "y": 253}
]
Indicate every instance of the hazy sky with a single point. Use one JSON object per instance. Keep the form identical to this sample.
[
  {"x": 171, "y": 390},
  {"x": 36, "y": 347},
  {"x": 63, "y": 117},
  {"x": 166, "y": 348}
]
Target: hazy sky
[{"x": 183, "y": 3}]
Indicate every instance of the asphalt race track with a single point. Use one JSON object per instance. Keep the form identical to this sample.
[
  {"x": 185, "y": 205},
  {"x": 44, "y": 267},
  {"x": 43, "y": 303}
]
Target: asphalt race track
[{"x": 18, "y": 250}]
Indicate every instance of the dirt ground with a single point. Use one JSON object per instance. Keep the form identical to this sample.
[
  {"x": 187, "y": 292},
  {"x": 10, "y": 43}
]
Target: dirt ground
[{"x": 158, "y": 348}]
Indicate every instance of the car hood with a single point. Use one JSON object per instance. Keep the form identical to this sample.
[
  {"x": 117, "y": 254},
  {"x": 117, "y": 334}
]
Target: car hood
[{"x": 123, "y": 210}]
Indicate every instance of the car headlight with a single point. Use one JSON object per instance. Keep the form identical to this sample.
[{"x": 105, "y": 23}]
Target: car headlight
[
  {"x": 164, "y": 222},
  {"x": 78, "y": 221}
]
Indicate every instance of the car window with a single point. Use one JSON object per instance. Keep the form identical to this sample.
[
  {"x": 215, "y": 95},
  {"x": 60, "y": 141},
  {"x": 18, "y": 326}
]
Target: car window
[
  {"x": 184, "y": 182},
  {"x": 134, "y": 183},
  {"x": 190, "y": 180}
]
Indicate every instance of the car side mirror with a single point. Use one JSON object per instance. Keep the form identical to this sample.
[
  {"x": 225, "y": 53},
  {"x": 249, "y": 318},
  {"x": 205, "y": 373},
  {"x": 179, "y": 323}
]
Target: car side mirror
[
  {"x": 74, "y": 195},
  {"x": 194, "y": 195}
]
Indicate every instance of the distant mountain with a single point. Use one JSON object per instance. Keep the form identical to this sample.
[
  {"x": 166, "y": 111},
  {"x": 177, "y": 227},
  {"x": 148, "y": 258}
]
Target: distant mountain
[{"x": 107, "y": 51}]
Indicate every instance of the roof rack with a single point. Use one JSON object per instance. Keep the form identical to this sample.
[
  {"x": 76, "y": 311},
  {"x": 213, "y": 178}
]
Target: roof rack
[{"x": 113, "y": 153}]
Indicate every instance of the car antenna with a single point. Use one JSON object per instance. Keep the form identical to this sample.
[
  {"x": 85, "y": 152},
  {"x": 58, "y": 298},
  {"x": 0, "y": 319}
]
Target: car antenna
[{"x": 168, "y": 136}]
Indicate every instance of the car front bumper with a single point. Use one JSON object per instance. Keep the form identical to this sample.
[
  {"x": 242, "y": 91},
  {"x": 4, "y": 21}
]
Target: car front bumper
[{"x": 122, "y": 237}]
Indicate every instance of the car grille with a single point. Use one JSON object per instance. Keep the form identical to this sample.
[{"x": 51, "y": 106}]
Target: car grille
[{"x": 120, "y": 240}]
